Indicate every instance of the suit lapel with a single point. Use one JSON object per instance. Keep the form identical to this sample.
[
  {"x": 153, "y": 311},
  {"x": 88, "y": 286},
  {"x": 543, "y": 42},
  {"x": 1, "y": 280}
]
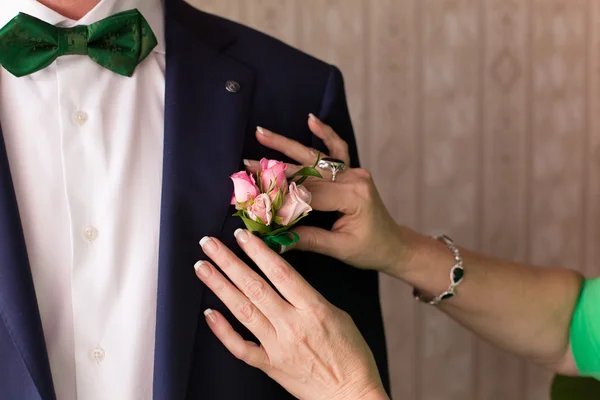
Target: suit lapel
[
  {"x": 18, "y": 303},
  {"x": 204, "y": 129}
]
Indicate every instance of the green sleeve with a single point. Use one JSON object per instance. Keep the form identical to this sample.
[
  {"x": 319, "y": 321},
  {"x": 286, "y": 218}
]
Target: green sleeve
[{"x": 585, "y": 330}]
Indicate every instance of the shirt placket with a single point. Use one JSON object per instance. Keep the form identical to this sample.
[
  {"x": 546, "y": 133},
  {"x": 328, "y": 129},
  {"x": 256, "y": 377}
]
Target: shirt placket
[{"x": 82, "y": 164}]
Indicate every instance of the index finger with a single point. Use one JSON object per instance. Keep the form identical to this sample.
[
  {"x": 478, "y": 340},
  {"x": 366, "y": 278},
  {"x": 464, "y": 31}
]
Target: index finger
[
  {"x": 292, "y": 286},
  {"x": 249, "y": 282},
  {"x": 289, "y": 147}
]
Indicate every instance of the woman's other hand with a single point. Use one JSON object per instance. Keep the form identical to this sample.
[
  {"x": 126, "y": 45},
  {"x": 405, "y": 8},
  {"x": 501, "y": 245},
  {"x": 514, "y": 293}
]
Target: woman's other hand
[
  {"x": 366, "y": 236},
  {"x": 307, "y": 345}
]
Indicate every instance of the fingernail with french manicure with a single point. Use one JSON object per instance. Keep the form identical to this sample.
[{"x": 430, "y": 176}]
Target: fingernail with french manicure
[
  {"x": 208, "y": 245},
  {"x": 313, "y": 117},
  {"x": 202, "y": 268},
  {"x": 263, "y": 131},
  {"x": 210, "y": 316},
  {"x": 241, "y": 235},
  {"x": 251, "y": 163}
]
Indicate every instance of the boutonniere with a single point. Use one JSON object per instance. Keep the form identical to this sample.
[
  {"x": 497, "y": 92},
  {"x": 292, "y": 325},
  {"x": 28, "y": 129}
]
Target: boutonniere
[{"x": 270, "y": 203}]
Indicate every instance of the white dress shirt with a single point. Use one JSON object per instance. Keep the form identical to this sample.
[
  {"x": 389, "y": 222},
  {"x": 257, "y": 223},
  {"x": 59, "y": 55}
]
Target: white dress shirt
[{"x": 85, "y": 147}]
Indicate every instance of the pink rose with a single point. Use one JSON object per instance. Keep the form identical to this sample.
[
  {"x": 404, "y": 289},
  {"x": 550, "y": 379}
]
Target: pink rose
[
  {"x": 262, "y": 208},
  {"x": 273, "y": 176},
  {"x": 244, "y": 188},
  {"x": 295, "y": 204}
]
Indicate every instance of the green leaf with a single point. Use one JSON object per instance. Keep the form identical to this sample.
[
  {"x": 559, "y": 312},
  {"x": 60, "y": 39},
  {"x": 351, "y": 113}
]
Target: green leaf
[
  {"x": 569, "y": 388},
  {"x": 307, "y": 172},
  {"x": 278, "y": 202},
  {"x": 256, "y": 227}
]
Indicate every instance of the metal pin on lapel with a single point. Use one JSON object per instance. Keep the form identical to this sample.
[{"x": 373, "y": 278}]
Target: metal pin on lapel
[{"x": 233, "y": 86}]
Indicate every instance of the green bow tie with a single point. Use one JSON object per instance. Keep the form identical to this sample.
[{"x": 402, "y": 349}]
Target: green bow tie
[{"x": 119, "y": 43}]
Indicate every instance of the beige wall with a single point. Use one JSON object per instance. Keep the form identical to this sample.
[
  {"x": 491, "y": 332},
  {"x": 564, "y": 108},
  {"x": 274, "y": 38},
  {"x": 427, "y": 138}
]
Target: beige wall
[{"x": 480, "y": 119}]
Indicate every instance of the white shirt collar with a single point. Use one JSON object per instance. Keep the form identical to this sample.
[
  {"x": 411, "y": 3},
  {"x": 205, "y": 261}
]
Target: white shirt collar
[{"x": 152, "y": 10}]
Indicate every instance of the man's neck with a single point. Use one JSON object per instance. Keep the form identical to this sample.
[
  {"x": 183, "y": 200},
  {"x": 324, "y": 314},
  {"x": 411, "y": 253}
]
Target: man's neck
[{"x": 72, "y": 9}]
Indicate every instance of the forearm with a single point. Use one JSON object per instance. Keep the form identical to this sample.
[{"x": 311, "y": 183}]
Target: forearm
[{"x": 520, "y": 308}]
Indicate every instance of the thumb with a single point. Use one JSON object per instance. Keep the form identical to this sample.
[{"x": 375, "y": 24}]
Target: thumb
[{"x": 317, "y": 240}]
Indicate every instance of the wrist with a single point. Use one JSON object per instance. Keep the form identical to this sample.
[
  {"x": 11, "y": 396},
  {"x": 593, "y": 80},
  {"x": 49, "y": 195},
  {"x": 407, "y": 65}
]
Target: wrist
[
  {"x": 425, "y": 264},
  {"x": 407, "y": 246}
]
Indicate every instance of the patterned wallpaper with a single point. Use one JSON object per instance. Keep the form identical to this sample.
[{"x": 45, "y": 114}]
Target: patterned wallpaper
[{"x": 480, "y": 119}]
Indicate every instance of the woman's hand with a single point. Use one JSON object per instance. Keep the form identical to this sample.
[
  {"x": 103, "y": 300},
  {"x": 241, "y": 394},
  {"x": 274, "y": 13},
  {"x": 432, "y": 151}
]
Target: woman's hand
[
  {"x": 310, "y": 347},
  {"x": 366, "y": 236}
]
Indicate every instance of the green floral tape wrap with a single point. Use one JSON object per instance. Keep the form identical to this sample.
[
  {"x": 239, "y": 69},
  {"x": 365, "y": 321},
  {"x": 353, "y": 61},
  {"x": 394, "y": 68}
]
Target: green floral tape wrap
[{"x": 285, "y": 239}]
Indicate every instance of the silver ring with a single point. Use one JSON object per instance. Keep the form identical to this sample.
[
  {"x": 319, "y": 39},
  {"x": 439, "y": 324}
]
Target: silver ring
[{"x": 334, "y": 165}]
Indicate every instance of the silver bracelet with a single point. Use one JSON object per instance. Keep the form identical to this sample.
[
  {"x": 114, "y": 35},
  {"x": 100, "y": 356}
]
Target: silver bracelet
[{"x": 457, "y": 274}]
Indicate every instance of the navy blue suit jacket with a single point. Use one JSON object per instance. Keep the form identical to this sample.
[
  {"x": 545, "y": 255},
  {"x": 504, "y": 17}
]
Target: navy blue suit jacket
[{"x": 208, "y": 131}]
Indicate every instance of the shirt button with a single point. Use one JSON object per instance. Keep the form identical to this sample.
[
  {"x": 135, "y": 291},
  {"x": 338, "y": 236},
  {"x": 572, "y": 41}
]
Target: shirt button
[
  {"x": 90, "y": 233},
  {"x": 79, "y": 118},
  {"x": 98, "y": 355}
]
